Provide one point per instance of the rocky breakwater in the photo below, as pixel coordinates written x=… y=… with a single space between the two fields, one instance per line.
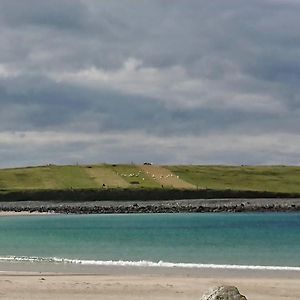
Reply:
x=151 y=207
x=223 y=293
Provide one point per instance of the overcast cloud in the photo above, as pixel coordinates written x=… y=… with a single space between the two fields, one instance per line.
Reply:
x=192 y=81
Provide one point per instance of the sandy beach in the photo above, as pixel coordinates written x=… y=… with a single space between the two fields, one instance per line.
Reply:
x=15 y=286
x=22 y=213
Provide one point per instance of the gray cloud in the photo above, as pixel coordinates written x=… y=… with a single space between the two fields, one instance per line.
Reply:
x=61 y=14
x=165 y=69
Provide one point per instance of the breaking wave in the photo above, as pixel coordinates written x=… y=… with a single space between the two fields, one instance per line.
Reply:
x=142 y=263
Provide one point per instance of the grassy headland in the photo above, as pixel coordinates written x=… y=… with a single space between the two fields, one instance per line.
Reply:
x=124 y=182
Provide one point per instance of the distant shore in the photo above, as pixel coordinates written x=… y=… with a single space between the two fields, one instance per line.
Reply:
x=138 y=194
x=154 y=206
x=142 y=182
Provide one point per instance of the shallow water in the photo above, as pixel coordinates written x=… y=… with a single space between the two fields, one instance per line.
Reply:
x=217 y=239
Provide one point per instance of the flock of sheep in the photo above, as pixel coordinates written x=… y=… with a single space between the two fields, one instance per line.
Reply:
x=148 y=173
x=131 y=175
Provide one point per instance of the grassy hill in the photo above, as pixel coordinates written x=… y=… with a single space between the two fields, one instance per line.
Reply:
x=277 y=179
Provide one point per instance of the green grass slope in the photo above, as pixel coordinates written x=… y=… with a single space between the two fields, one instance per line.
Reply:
x=50 y=177
x=279 y=179
x=75 y=177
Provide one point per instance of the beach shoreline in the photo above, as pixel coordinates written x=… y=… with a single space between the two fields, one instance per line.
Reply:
x=41 y=285
x=23 y=213
x=48 y=276
x=122 y=268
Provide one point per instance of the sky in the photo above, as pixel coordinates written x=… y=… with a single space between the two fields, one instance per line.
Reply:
x=170 y=82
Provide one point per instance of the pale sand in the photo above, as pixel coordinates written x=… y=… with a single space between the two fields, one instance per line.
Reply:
x=18 y=286
x=22 y=213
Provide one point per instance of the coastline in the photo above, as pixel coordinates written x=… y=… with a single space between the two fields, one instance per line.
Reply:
x=20 y=265
x=235 y=205
x=42 y=278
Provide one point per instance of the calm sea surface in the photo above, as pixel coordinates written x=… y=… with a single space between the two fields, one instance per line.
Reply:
x=240 y=239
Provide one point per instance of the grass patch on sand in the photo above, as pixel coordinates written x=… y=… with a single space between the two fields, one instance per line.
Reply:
x=280 y=179
x=165 y=177
x=105 y=176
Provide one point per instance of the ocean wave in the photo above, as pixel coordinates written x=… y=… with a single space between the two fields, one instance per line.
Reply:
x=143 y=263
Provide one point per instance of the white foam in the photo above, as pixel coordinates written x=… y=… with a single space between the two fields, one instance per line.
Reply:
x=144 y=263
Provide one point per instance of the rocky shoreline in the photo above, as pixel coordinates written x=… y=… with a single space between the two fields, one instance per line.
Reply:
x=181 y=206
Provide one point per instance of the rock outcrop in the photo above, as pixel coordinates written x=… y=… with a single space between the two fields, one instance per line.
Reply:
x=223 y=293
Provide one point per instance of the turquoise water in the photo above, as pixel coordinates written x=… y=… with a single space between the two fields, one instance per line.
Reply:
x=239 y=239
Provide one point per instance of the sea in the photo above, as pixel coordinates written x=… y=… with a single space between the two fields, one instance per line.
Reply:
x=268 y=241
